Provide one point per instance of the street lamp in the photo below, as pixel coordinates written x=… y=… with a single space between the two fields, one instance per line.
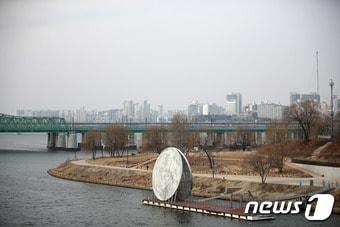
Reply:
x=331 y=83
x=127 y=156
x=213 y=164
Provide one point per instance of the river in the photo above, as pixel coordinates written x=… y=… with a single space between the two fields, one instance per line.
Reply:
x=31 y=197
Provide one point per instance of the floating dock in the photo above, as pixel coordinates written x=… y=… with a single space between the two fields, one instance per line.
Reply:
x=204 y=208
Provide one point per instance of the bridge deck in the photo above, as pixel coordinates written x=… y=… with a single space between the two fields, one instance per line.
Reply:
x=54 y=124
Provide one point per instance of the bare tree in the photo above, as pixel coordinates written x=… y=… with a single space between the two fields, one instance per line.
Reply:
x=337 y=125
x=260 y=164
x=155 y=138
x=91 y=142
x=178 y=130
x=243 y=136
x=276 y=149
x=276 y=132
x=306 y=115
x=325 y=125
x=192 y=140
x=211 y=162
x=277 y=153
x=203 y=140
x=116 y=138
x=109 y=139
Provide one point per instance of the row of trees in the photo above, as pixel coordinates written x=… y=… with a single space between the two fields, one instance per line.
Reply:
x=268 y=157
x=115 y=137
x=179 y=135
x=311 y=123
x=305 y=116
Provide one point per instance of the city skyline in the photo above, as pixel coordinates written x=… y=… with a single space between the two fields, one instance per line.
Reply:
x=236 y=97
x=66 y=54
x=132 y=111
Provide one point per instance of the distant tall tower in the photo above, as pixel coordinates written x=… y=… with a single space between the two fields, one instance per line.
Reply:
x=146 y=109
x=234 y=99
x=128 y=110
x=317 y=72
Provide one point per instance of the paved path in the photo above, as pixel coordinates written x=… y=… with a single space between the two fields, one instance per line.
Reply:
x=317 y=179
x=294 y=166
x=83 y=162
x=317 y=151
x=144 y=163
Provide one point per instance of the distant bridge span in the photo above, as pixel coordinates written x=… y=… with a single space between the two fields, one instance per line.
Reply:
x=62 y=134
x=14 y=124
x=17 y=124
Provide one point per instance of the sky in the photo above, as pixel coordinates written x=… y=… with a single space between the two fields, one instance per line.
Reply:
x=63 y=54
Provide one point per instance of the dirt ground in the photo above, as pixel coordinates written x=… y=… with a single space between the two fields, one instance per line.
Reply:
x=225 y=163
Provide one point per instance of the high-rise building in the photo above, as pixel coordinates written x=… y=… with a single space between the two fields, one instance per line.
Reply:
x=293 y=97
x=194 y=109
x=128 y=110
x=206 y=109
x=215 y=109
x=160 y=114
x=324 y=107
x=230 y=107
x=146 y=110
x=81 y=115
x=298 y=98
x=234 y=103
x=270 y=110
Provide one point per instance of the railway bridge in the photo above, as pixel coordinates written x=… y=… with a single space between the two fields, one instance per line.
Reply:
x=62 y=134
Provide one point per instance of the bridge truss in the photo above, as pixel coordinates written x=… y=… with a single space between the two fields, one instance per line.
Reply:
x=16 y=124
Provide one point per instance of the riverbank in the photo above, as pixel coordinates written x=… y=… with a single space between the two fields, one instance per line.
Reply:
x=230 y=176
x=205 y=186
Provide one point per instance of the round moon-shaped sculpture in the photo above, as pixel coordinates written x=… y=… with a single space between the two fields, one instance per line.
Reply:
x=185 y=185
x=171 y=175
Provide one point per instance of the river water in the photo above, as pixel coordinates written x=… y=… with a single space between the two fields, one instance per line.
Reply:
x=31 y=197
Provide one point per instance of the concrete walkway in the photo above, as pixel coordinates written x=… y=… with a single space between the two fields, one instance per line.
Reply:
x=306 y=171
x=317 y=181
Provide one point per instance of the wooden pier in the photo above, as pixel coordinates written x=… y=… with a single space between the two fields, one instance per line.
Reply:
x=204 y=208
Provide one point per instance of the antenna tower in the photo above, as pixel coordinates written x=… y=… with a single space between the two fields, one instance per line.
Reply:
x=317 y=72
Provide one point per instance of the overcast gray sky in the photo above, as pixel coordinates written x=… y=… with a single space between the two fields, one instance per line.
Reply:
x=64 y=54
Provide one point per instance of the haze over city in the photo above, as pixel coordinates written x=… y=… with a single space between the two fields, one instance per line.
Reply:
x=97 y=54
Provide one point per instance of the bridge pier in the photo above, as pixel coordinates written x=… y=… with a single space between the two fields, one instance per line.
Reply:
x=62 y=141
x=72 y=142
x=260 y=138
x=51 y=140
x=131 y=138
x=228 y=138
x=220 y=139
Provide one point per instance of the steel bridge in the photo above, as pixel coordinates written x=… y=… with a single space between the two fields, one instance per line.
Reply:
x=17 y=124
x=62 y=134
x=10 y=123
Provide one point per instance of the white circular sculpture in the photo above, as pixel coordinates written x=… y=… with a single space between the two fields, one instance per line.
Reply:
x=171 y=175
